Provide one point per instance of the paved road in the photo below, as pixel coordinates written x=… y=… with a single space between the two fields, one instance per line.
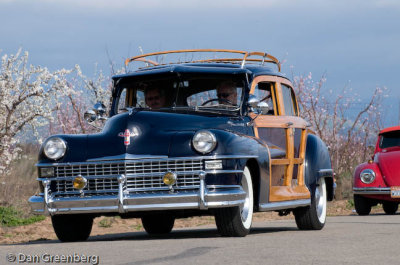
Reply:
x=344 y=240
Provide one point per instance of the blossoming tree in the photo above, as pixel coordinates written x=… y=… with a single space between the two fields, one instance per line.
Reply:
x=28 y=95
x=345 y=124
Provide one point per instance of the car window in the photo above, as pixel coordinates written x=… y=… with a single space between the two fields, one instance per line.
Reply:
x=122 y=100
x=390 y=139
x=289 y=101
x=263 y=92
x=196 y=92
x=224 y=93
x=130 y=98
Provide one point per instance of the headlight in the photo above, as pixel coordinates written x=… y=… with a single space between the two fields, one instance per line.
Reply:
x=367 y=176
x=204 y=141
x=55 y=148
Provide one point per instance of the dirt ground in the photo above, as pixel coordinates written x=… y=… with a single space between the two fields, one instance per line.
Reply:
x=108 y=225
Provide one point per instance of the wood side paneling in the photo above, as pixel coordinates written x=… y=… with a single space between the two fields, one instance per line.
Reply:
x=286 y=193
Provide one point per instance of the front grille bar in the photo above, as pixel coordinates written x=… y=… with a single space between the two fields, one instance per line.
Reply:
x=139 y=176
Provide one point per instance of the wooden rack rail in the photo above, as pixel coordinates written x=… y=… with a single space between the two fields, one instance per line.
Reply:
x=265 y=57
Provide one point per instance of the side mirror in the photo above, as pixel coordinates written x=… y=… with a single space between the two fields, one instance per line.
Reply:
x=263 y=107
x=90 y=116
x=257 y=106
x=97 y=113
x=253 y=101
x=100 y=110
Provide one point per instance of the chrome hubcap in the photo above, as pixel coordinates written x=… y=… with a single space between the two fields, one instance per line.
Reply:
x=244 y=209
x=320 y=200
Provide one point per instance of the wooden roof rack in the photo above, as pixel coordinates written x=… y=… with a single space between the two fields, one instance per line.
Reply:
x=265 y=57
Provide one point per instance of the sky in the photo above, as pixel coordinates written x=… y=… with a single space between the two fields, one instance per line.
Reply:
x=353 y=43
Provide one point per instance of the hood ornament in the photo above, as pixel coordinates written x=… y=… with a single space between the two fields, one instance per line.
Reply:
x=128 y=134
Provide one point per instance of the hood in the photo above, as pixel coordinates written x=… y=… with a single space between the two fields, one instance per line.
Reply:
x=389 y=163
x=151 y=133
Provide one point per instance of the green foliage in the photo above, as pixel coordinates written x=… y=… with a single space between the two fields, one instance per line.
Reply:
x=137 y=227
x=9 y=216
x=106 y=222
x=350 y=204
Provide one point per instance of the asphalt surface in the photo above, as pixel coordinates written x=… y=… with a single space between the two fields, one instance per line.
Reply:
x=371 y=239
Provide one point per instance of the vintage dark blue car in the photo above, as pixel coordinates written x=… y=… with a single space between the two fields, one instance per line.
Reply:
x=219 y=137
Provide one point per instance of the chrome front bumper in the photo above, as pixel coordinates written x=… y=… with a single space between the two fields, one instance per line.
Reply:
x=206 y=197
x=122 y=197
x=372 y=191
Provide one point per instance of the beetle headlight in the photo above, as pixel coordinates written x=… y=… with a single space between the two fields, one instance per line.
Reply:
x=204 y=141
x=367 y=176
x=55 y=148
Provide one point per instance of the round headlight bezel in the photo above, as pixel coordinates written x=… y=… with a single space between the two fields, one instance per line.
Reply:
x=367 y=176
x=55 y=148
x=204 y=141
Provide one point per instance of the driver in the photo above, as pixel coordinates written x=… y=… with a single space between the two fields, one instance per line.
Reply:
x=154 y=98
x=226 y=91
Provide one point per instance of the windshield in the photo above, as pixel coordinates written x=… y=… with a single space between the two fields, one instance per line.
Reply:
x=196 y=93
x=390 y=139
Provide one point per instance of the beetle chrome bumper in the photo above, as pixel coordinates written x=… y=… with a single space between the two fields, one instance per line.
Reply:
x=372 y=191
x=206 y=197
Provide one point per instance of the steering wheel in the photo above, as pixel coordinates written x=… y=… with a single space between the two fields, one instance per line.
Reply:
x=217 y=99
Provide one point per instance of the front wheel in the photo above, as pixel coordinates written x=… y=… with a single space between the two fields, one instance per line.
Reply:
x=236 y=221
x=313 y=217
x=362 y=205
x=71 y=228
x=160 y=223
x=390 y=207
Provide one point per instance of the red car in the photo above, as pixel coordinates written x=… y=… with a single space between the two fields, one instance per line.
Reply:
x=378 y=180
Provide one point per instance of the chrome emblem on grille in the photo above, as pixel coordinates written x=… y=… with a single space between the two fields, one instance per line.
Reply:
x=128 y=134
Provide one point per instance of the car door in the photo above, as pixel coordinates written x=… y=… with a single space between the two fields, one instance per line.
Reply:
x=284 y=133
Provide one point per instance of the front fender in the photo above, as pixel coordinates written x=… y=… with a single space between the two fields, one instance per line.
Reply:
x=76 y=149
x=318 y=165
x=378 y=182
x=249 y=151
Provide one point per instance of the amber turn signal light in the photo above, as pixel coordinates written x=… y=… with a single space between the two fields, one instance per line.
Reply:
x=79 y=182
x=169 y=178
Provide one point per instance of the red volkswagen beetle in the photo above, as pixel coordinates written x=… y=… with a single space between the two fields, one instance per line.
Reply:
x=378 y=180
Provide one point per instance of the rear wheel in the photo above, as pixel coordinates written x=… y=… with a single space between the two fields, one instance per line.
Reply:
x=313 y=217
x=160 y=223
x=71 y=228
x=236 y=221
x=362 y=205
x=390 y=207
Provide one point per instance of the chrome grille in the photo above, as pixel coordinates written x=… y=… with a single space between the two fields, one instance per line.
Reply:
x=156 y=182
x=142 y=175
x=93 y=185
x=90 y=170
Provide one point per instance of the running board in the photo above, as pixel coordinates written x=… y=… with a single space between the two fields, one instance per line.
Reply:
x=264 y=207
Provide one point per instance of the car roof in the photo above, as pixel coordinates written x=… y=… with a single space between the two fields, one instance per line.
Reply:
x=390 y=129
x=204 y=68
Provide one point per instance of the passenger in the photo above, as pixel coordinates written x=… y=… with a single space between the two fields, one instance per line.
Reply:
x=154 y=98
x=226 y=91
